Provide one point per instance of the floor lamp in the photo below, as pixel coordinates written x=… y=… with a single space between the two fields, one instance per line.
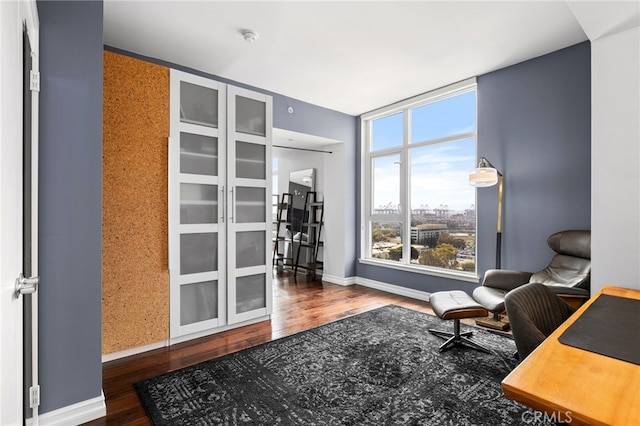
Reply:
x=487 y=175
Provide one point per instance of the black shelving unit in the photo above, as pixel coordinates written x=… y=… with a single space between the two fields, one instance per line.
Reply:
x=283 y=233
x=308 y=240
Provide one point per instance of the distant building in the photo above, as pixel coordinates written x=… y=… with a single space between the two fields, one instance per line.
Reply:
x=427 y=234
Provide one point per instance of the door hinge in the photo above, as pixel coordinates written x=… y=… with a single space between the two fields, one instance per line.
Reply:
x=34 y=396
x=26 y=285
x=35 y=81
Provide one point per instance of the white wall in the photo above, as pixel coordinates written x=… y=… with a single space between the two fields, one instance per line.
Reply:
x=334 y=215
x=615 y=160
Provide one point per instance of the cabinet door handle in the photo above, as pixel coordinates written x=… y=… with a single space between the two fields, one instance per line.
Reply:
x=233 y=206
x=222 y=203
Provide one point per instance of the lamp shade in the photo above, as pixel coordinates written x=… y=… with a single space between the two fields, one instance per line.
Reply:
x=483 y=176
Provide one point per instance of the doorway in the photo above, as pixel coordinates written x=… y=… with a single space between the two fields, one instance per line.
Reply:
x=294 y=151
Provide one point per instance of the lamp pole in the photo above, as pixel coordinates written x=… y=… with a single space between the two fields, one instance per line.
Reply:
x=499 y=227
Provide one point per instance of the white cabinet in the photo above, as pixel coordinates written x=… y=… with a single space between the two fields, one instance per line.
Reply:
x=219 y=173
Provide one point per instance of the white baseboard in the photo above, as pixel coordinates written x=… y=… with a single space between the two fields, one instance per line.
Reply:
x=394 y=289
x=74 y=414
x=134 y=351
x=338 y=280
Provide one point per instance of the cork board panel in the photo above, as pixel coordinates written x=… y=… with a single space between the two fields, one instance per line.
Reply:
x=135 y=277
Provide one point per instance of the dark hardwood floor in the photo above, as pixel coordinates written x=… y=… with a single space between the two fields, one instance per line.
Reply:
x=297 y=306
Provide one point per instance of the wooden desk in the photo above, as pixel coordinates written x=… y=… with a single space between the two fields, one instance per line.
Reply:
x=573 y=384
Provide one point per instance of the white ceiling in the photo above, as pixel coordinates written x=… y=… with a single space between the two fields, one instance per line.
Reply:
x=289 y=139
x=355 y=56
x=349 y=56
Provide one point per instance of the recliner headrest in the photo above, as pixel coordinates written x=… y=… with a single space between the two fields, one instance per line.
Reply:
x=571 y=243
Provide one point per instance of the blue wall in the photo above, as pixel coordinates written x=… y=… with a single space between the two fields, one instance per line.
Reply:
x=70 y=207
x=534 y=125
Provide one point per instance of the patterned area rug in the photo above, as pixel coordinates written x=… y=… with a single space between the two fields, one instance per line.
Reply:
x=377 y=368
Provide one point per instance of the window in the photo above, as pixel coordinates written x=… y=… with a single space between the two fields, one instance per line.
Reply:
x=418 y=207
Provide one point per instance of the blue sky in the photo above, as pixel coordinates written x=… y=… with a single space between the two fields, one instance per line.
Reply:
x=439 y=172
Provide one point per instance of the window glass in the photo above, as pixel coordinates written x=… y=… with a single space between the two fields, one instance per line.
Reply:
x=386 y=241
x=451 y=116
x=386 y=184
x=423 y=213
x=443 y=222
x=387 y=132
x=440 y=176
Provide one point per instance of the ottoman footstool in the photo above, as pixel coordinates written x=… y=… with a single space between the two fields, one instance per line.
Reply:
x=455 y=305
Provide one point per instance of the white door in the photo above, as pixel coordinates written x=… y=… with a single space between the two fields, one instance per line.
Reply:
x=196 y=205
x=249 y=228
x=14 y=17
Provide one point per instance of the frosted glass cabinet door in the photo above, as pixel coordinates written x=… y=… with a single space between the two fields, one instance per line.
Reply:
x=198 y=302
x=198 y=253
x=250 y=205
x=198 y=104
x=250 y=249
x=197 y=237
x=198 y=203
x=250 y=116
x=251 y=293
x=249 y=125
x=198 y=154
x=250 y=161
x=219 y=205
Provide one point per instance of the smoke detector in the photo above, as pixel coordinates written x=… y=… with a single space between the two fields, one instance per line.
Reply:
x=250 y=36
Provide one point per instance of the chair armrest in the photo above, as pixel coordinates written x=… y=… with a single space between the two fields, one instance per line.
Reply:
x=572 y=296
x=561 y=290
x=505 y=279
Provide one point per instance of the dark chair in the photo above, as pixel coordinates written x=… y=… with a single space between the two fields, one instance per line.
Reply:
x=534 y=313
x=567 y=275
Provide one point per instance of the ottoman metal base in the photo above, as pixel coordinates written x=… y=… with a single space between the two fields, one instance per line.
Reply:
x=457 y=338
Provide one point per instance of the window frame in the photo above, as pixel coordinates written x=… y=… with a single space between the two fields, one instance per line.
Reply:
x=367 y=215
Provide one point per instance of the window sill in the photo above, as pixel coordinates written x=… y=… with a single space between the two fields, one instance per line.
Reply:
x=454 y=275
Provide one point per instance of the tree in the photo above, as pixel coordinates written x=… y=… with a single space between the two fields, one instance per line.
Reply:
x=414 y=253
x=446 y=238
x=471 y=244
x=383 y=234
x=443 y=256
x=468 y=266
x=396 y=253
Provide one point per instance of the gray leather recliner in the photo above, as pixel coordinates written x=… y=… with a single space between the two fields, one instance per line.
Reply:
x=568 y=273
